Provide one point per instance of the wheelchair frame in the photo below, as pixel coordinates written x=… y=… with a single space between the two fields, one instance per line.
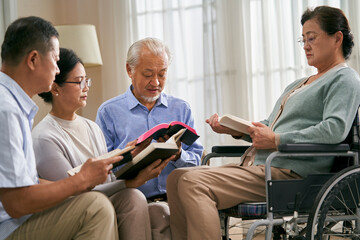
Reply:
x=290 y=150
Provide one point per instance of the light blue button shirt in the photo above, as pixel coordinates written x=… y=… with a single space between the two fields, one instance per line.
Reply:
x=17 y=159
x=123 y=119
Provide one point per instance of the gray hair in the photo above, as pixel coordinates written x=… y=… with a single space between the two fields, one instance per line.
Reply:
x=155 y=46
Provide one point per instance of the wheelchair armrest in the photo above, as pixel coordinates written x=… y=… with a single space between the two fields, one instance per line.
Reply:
x=229 y=149
x=305 y=147
x=308 y=150
x=224 y=151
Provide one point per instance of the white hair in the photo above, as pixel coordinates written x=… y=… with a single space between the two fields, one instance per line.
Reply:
x=155 y=46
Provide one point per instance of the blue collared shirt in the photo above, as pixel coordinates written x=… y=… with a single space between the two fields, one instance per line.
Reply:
x=123 y=119
x=17 y=159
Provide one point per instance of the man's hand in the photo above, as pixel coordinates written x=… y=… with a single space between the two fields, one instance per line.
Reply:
x=151 y=171
x=178 y=143
x=95 y=171
x=132 y=143
x=140 y=147
x=262 y=136
x=213 y=121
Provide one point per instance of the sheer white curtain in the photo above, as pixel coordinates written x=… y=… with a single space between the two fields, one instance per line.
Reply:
x=233 y=56
x=8 y=13
x=179 y=24
x=252 y=55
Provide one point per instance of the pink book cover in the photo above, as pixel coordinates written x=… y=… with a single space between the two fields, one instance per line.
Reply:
x=164 y=128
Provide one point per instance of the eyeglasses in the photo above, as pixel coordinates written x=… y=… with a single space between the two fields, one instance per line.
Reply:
x=83 y=82
x=303 y=40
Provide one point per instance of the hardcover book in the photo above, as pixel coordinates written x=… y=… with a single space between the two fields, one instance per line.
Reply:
x=235 y=123
x=126 y=152
x=169 y=129
x=150 y=153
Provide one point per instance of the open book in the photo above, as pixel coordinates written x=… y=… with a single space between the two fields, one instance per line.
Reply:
x=126 y=152
x=235 y=123
x=152 y=152
x=140 y=156
x=189 y=136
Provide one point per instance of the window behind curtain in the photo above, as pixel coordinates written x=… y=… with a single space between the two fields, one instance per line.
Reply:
x=230 y=56
x=179 y=25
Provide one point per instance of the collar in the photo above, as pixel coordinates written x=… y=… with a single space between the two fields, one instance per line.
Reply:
x=27 y=105
x=132 y=102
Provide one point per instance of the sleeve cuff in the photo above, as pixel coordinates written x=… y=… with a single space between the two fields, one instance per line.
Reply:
x=277 y=140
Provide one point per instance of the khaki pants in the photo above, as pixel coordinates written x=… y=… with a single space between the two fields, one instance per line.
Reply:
x=160 y=220
x=196 y=194
x=86 y=216
x=132 y=214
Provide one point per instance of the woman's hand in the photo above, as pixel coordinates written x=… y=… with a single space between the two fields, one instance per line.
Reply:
x=213 y=121
x=262 y=136
x=151 y=171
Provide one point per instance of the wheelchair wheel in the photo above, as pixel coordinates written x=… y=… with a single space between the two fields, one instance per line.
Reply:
x=336 y=210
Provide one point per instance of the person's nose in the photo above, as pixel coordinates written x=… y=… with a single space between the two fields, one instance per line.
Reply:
x=86 y=88
x=57 y=70
x=306 y=45
x=155 y=81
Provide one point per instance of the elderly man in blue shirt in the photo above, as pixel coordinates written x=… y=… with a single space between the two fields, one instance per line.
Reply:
x=124 y=118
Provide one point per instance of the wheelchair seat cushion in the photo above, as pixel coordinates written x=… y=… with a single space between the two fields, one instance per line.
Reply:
x=247 y=210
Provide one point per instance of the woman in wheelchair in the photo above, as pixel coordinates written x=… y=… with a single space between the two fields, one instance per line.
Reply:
x=314 y=109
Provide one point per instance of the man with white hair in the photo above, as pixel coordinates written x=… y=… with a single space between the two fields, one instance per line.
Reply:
x=124 y=118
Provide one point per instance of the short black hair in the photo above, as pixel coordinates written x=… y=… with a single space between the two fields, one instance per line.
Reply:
x=24 y=35
x=332 y=20
x=67 y=62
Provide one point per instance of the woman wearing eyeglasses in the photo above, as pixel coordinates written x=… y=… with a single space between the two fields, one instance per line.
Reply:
x=64 y=140
x=315 y=109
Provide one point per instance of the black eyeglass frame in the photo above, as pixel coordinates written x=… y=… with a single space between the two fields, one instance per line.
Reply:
x=82 y=83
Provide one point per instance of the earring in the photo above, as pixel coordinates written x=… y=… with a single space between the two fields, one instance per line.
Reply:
x=57 y=94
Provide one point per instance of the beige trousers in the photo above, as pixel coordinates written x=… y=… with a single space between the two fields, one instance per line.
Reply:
x=87 y=216
x=196 y=194
x=132 y=214
x=138 y=219
x=160 y=220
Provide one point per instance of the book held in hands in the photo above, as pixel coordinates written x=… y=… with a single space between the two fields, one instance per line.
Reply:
x=146 y=152
x=169 y=129
x=126 y=153
x=150 y=153
x=235 y=123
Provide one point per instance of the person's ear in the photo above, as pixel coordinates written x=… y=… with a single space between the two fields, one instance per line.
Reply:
x=339 y=38
x=128 y=69
x=55 y=89
x=32 y=59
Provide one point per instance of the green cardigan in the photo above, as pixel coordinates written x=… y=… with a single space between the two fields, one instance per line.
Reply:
x=321 y=113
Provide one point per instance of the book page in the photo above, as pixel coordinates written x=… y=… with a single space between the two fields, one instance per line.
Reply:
x=176 y=137
x=235 y=123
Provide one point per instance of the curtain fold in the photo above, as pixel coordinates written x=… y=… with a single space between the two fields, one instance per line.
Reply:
x=351 y=9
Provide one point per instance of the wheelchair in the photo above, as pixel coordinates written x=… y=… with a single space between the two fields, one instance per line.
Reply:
x=320 y=206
